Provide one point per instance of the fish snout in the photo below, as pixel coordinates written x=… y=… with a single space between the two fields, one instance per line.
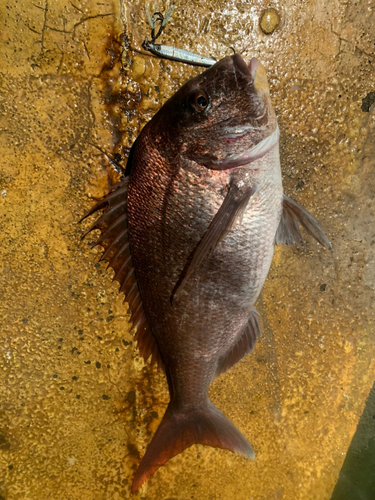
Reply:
x=253 y=66
x=249 y=70
x=240 y=65
x=259 y=76
x=254 y=70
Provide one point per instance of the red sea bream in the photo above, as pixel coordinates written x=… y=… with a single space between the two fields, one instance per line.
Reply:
x=190 y=234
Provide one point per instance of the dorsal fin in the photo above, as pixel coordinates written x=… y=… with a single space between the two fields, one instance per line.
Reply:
x=244 y=345
x=115 y=241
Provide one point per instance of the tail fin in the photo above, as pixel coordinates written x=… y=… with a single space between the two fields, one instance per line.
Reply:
x=179 y=430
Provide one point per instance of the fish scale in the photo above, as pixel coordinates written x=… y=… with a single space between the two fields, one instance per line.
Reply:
x=203 y=207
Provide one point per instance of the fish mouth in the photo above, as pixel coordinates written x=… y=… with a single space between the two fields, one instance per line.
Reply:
x=253 y=66
x=255 y=71
x=233 y=133
x=256 y=152
x=248 y=70
x=250 y=155
x=238 y=132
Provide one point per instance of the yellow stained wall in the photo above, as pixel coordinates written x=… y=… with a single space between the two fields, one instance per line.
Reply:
x=77 y=405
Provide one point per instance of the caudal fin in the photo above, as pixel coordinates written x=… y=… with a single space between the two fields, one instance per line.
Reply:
x=179 y=430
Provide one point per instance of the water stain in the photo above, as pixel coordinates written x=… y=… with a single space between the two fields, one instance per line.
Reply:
x=4 y=443
x=368 y=101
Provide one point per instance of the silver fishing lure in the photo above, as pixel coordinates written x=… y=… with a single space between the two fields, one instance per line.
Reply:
x=175 y=54
x=166 y=51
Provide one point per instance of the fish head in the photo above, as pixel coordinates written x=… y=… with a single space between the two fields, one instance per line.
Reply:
x=217 y=118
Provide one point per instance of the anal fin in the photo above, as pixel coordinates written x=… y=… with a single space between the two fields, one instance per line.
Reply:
x=244 y=345
x=288 y=231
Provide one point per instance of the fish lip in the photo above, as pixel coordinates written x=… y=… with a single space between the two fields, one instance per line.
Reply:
x=234 y=134
x=249 y=156
x=253 y=66
x=260 y=149
x=248 y=70
x=241 y=65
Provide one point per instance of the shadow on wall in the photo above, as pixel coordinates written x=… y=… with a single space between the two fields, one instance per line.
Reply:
x=357 y=477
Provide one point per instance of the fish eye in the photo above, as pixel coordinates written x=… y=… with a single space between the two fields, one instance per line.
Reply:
x=201 y=101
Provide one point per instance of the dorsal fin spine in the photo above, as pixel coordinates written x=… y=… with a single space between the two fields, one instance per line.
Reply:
x=112 y=245
x=122 y=268
x=124 y=250
x=110 y=210
x=126 y=279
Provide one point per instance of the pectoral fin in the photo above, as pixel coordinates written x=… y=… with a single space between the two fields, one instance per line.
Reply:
x=224 y=221
x=288 y=232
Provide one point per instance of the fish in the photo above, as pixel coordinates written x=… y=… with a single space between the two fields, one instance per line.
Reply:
x=190 y=234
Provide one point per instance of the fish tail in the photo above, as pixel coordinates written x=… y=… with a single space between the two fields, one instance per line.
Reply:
x=179 y=430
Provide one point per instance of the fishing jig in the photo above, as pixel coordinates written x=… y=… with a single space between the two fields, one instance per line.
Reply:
x=166 y=51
